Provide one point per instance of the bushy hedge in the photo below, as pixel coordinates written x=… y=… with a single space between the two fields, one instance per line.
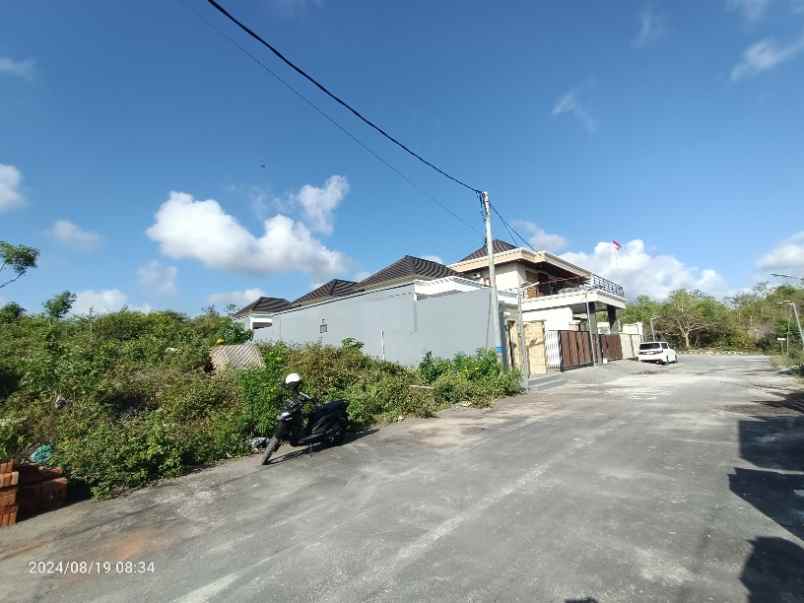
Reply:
x=477 y=379
x=127 y=398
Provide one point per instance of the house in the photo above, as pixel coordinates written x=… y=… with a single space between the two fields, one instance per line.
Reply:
x=561 y=294
x=414 y=306
x=401 y=312
x=258 y=313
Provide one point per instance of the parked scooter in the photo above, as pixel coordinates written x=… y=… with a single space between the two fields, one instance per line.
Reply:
x=325 y=423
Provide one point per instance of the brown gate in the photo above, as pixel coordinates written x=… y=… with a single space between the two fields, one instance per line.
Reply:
x=576 y=350
x=611 y=347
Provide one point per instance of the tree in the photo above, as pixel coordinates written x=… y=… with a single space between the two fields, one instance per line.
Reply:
x=642 y=309
x=58 y=305
x=11 y=311
x=17 y=258
x=684 y=313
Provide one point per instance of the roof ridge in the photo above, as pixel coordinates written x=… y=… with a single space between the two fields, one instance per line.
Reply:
x=497 y=246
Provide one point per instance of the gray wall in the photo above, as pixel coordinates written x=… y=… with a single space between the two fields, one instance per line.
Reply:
x=392 y=324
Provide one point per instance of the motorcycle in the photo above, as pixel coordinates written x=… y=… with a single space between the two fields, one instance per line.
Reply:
x=323 y=423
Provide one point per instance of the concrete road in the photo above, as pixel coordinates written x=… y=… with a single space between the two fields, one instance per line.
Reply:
x=627 y=483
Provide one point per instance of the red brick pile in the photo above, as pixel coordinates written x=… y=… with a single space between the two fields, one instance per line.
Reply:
x=8 y=493
x=29 y=491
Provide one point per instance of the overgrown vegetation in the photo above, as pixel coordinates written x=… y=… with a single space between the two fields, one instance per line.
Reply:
x=126 y=398
x=749 y=321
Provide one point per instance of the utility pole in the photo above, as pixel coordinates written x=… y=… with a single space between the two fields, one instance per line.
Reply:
x=589 y=328
x=652 y=331
x=495 y=305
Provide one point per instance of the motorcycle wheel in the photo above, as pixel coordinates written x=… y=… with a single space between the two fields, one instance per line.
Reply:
x=338 y=434
x=273 y=444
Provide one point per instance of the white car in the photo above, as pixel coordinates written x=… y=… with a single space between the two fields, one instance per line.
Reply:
x=657 y=351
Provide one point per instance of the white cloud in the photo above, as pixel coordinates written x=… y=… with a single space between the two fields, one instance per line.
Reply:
x=433 y=258
x=238 y=298
x=362 y=275
x=640 y=272
x=23 y=69
x=539 y=239
x=99 y=302
x=10 y=195
x=71 y=234
x=651 y=27
x=158 y=278
x=264 y=203
x=319 y=203
x=570 y=104
x=750 y=10
x=786 y=257
x=765 y=55
x=203 y=231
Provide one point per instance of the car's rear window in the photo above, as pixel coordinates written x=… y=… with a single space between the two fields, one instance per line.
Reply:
x=650 y=346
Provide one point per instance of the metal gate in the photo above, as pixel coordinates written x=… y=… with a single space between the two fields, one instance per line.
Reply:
x=575 y=348
x=611 y=347
x=553 y=348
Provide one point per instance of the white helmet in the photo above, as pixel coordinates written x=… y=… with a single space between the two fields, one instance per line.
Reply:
x=293 y=380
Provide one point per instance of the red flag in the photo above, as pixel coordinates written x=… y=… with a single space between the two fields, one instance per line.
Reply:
x=616 y=244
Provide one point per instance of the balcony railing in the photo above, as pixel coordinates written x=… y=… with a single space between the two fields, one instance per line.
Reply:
x=598 y=282
x=570 y=285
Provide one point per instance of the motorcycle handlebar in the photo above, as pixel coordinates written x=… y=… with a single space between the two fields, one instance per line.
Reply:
x=299 y=400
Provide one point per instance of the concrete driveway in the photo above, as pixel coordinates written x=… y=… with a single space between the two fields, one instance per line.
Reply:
x=627 y=483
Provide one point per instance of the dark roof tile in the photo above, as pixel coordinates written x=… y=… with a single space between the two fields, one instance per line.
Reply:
x=408 y=268
x=265 y=305
x=497 y=245
x=334 y=288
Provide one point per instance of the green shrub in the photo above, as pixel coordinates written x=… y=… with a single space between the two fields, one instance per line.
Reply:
x=262 y=395
x=387 y=396
x=142 y=404
x=431 y=368
x=11 y=438
x=477 y=379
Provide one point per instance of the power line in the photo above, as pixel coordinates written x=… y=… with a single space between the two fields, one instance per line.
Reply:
x=511 y=229
x=333 y=121
x=508 y=228
x=336 y=98
x=359 y=115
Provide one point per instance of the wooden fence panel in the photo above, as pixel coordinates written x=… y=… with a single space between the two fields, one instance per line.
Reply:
x=612 y=347
x=575 y=349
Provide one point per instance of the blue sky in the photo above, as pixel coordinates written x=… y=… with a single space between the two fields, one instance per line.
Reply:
x=155 y=165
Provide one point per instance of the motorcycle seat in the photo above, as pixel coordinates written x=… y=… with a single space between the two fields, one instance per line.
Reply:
x=332 y=406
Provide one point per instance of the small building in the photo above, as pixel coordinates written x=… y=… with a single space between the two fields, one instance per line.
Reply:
x=415 y=306
x=399 y=313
